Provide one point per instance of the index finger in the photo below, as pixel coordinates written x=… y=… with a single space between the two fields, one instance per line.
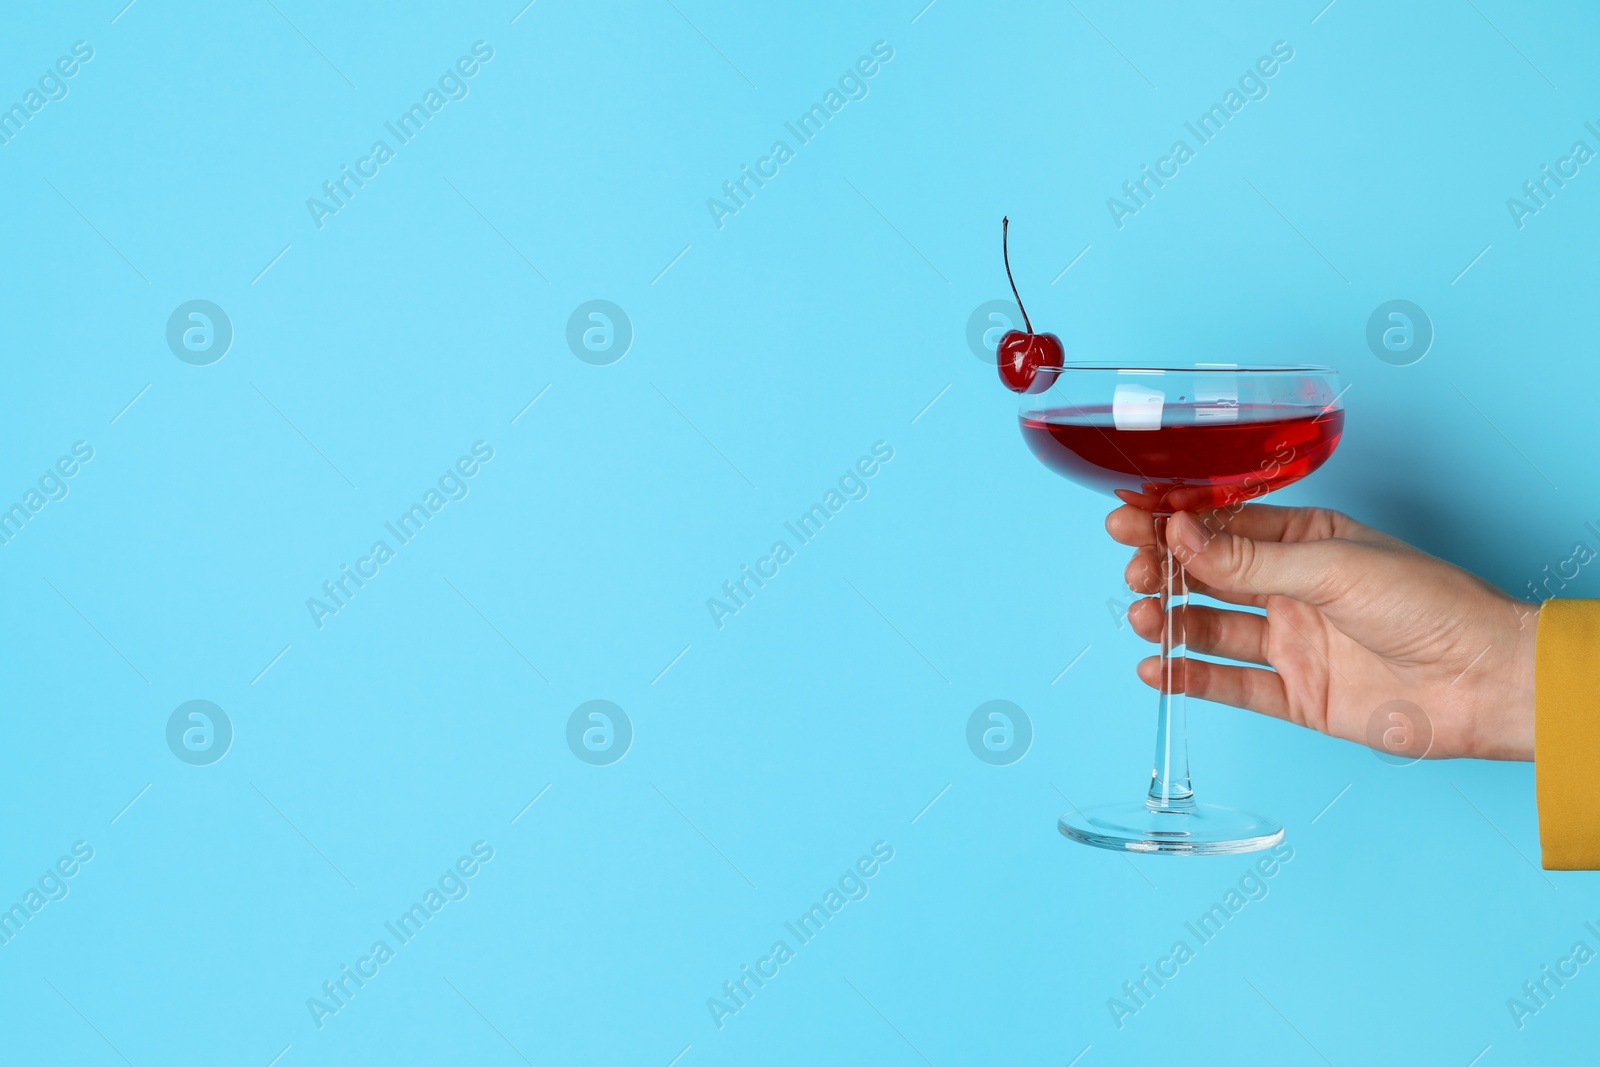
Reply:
x=1129 y=525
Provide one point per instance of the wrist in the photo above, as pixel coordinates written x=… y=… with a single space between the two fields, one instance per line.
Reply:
x=1521 y=698
x=1503 y=707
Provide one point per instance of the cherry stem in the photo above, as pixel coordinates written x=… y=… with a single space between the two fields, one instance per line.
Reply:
x=1005 y=229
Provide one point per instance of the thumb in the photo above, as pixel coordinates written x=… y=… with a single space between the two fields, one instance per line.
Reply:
x=1310 y=571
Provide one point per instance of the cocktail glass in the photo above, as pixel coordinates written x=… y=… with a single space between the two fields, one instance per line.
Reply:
x=1203 y=438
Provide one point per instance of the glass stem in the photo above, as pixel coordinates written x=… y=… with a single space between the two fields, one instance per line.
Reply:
x=1170 y=789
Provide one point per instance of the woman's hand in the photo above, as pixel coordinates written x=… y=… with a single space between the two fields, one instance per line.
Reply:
x=1354 y=619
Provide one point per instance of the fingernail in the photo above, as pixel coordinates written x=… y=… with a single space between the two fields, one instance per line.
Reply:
x=1190 y=534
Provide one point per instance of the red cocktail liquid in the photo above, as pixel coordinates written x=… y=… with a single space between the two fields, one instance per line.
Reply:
x=1199 y=458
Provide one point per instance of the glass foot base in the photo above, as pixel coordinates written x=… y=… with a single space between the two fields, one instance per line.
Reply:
x=1203 y=830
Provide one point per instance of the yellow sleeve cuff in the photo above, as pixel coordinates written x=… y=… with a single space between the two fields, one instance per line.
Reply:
x=1566 y=732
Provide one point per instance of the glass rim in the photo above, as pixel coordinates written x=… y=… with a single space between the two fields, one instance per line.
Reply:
x=1200 y=368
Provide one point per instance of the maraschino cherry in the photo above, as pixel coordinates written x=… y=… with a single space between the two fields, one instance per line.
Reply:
x=1028 y=361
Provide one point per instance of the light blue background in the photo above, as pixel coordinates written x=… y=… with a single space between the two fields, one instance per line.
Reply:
x=822 y=318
